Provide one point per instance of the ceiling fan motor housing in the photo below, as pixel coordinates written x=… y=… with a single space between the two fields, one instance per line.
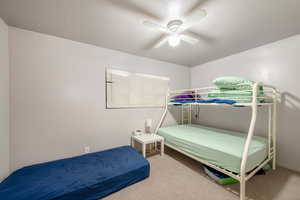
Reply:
x=174 y=25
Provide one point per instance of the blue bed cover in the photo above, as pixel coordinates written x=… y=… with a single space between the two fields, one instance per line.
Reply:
x=88 y=177
x=223 y=101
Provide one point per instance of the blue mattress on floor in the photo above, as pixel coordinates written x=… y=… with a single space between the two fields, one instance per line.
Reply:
x=88 y=177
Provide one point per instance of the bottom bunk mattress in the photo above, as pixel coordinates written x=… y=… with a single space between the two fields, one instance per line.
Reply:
x=87 y=177
x=219 y=147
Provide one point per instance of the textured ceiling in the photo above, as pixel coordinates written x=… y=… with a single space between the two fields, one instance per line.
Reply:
x=231 y=26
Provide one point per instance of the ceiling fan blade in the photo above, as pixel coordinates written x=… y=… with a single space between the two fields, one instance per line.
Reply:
x=199 y=4
x=156 y=26
x=194 y=18
x=161 y=41
x=200 y=36
x=133 y=8
x=189 y=39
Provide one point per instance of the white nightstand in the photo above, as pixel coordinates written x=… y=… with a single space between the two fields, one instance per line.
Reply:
x=145 y=139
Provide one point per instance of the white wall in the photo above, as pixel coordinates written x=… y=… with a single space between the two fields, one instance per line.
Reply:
x=58 y=97
x=4 y=101
x=277 y=64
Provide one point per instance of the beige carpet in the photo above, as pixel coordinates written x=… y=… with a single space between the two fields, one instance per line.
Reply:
x=176 y=177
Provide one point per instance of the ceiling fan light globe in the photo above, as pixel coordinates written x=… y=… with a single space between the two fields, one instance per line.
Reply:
x=174 y=40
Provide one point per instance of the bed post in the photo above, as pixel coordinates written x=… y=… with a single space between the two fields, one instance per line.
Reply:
x=270 y=130
x=274 y=115
x=273 y=122
x=248 y=143
x=164 y=113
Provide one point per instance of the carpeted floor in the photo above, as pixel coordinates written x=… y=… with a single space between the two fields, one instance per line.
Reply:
x=176 y=177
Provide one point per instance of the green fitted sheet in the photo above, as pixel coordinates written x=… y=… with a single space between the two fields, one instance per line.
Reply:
x=219 y=147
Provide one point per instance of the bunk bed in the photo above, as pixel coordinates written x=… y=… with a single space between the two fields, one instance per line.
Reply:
x=235 y=154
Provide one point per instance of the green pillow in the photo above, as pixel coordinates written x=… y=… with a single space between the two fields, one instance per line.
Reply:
x=233 y=83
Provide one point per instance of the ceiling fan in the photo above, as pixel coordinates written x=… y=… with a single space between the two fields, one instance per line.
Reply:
x=176 y=30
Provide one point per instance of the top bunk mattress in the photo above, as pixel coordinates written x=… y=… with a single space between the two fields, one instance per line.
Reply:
x=88 y=177
x=219 y=147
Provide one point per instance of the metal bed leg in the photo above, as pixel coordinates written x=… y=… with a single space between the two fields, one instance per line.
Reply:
x=242 y=189
x=274 y=162
x=162 y=147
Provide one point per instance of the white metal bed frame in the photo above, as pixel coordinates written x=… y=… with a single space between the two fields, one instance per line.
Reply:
x=271 y=97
